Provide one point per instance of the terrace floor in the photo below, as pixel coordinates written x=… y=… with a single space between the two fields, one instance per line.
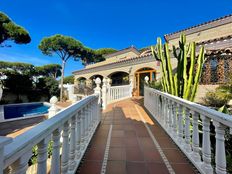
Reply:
x=129 y=142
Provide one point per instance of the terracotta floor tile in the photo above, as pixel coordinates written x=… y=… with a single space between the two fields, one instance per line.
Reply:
x=117 y=142
x=187 y=168
x=174 y=156
x=166 y=142
x=130 y=133
x=118 y=133
x=117 y=153
x=152 y=155
x=136 y=168
x=146 y=142
x=132 y=150
x=95 y=154
x=158 y=168
x=134 y=154
x=131 y=142
x=116 y=167
x=91 y=167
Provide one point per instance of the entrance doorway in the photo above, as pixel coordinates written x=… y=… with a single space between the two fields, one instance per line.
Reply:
x=140 y=75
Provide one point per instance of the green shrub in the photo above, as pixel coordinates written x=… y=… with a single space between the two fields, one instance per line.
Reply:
x=156 y=85
x=217 y=98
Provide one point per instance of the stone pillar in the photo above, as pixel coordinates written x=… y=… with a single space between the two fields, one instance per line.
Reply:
x=146 y=80
x=97 y=90
x=131 y=87
x=89 y=83
x=53 y=109
x=104 y=93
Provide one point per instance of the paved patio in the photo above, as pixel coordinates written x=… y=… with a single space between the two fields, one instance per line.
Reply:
x=129 y=142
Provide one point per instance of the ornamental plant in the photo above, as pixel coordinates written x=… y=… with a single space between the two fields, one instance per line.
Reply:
x=184 y=82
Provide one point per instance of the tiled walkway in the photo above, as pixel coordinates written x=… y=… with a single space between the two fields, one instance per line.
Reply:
x=131 y=144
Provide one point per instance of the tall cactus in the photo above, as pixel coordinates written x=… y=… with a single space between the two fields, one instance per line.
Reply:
x=182 y=83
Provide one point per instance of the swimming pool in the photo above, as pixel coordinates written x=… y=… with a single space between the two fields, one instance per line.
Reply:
x=13 y=111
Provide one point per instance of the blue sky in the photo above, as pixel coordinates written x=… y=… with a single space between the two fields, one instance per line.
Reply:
x=103 y=23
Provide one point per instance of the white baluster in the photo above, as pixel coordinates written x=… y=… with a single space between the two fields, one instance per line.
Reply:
x=21 y=165
x=65 y=148
x=187 y=131
x=86 y=124
x=220 y=148
x=170 y=116
x=55 y=168
x=174 y=125
x=72 y=161
x=3 y=142
x=104 y=95
x=180 y=125
x=82 y=129
x=42 y=156
x=195 y=138
x=206 y=147
x=78 y=135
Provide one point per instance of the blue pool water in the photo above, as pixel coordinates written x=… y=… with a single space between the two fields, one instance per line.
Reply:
x=24 y=110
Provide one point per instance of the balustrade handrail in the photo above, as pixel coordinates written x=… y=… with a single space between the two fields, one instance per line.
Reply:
x=211 y=113
x=32 y=137
x=121 y=86
x=182 y=120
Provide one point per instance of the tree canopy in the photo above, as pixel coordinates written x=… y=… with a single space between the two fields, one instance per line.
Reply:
x=69 y=79
x=9 y=31
x=50 y=70
x=65 y=47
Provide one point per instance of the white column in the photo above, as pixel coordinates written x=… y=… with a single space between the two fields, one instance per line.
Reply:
x=78 y=135
x=104 y=94
x=206 y=147
x=21 y=165
x=55 y=168
x=131 y=87
x=220 y=158
x=195 y=138
x=72 y=162
x=53 y=109
x=108 y=85
x=187 y=131
x=65 y=148
x=97 y=90
x=3 y=142
x=42 y=156
x=170 y=116
x=174 y=125
x=82 y=129
x=86 y=124
x=180 y=124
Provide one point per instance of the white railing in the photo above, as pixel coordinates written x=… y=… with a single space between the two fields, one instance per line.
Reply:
x=70 y=132
x=112 y=94
x=181 y=119
x=116 y=93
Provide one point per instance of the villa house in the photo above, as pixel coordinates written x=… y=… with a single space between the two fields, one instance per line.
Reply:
x=130 y=65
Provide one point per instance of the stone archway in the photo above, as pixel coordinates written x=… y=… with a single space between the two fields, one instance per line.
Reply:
x=92 y=79
x=119 y=78
x=140 y=74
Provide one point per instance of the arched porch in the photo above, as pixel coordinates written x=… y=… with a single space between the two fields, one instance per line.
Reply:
x=119 y=78
x=139 y=75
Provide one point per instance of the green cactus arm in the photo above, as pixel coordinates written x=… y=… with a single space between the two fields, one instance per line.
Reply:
x=175 y=84
x=154 y=54
x=200 y=62
x=191 y=70
x=164 y=63
x=169 y=68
